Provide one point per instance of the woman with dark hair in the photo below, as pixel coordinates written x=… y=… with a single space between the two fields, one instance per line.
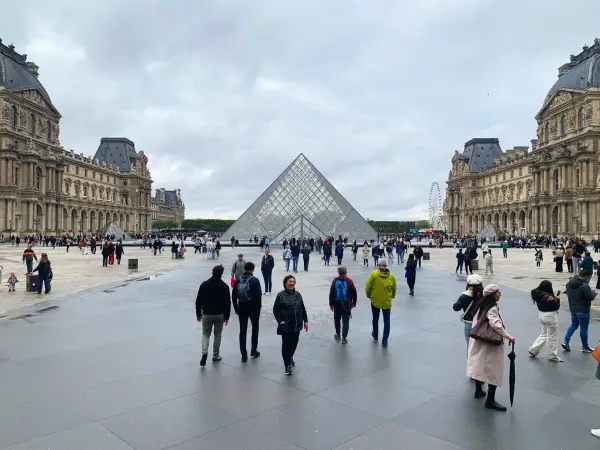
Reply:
x=548 y=305
x=467 y=302
x=290 y=314
x=411 y=273
x=486 y=361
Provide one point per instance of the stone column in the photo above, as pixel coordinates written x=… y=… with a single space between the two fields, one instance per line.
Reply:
x=584 y=216
x=563 y=218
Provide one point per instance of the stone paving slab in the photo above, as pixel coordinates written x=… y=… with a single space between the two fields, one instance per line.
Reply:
x=118 y=368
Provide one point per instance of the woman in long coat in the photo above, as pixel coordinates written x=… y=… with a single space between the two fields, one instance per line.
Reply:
x=486 y=362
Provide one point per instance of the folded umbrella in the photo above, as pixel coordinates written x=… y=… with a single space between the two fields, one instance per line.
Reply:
x=511 y=376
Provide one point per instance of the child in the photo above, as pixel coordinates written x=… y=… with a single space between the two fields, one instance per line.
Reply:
x=12 y=280
x=489 y=262
x=538 y=257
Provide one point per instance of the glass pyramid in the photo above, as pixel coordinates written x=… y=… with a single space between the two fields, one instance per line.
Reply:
x=300 y=203
x=112 y=229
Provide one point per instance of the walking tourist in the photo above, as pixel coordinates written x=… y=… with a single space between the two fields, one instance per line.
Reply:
x=587 y=263
x=569 y=258
x=306 y=256
x=28 y=257
x=410 y=273
x=266 y=267
x=539 y=257
x=11 y=282
x=580 y=297
x=327 y=252
x=213 y=307
x=485 y=363
x=238 y=267
x=174 y=248
x=489 y=262
x=290 y=314
x=505 y=248
x=375 y=254
x=44 y=271
x=381 y=290
x=339 y=253
x=119 y=251
x=558 y=259
x=468 y=301
x=295 y=255
x=287 y=257
x=578 y=252
x=342 y=298
x=354 y=250
x=246 y=297
x=548 y=305
x=418 y=252
x=365 y=253
x=105 y=254
x=460 y=259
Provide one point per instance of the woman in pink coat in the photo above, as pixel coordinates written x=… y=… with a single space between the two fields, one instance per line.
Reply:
x=486 y=362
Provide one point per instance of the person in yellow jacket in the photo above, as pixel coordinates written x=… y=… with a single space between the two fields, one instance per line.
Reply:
x=381 y=290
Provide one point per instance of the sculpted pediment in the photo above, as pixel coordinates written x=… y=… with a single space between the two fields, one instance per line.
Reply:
x=559 y=98
x=36 y=97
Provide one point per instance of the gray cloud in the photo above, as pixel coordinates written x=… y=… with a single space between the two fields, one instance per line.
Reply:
x=223 y=95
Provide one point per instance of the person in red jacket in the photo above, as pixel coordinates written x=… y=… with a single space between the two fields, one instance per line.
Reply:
x=342 y=298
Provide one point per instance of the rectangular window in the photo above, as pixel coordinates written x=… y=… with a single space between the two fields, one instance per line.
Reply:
x=504 y=176
x=520 y=171
x=101 y=177
x=77 y=170
x=496 y=178
x=85 y=173
x=512 y=173
x=473 y=183
x=124 y=182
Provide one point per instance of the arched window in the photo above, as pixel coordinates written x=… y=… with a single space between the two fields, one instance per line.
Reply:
x=563 y=125
x=547 y=132
x=32 y=124
x=15 y=116
x=581 y=118
x=556 y=181
x=38 y=179
x=49 y=130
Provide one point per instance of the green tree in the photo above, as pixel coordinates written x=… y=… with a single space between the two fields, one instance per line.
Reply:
x=164 y=225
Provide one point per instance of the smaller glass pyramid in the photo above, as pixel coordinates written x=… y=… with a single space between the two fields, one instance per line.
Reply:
x=300 y=203
x=112 y=229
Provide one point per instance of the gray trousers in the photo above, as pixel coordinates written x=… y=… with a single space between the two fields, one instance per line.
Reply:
x=208 y=321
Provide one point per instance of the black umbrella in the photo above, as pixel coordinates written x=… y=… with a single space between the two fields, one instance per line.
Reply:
x=511 y=377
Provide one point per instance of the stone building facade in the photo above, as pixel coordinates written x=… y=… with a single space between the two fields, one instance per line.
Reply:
x=167 y=206
x=47 y=189
x=552 y=188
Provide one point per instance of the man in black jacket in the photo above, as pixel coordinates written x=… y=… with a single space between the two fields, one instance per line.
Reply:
x=247 y=301
x=213 y=307
x=580 y=301
x=295 y=255
x=266 y=267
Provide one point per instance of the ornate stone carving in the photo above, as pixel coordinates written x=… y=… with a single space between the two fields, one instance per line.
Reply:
x=598 y=181
x=571 y=117
x=23 y=118
x=560 y=98
x=589 y=110
x=553 y=127
x=6 y=112
x=540 y=132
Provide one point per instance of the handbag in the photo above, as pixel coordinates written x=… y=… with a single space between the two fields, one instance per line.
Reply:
x=483 y=331
x=283 y=328
x=232 y=282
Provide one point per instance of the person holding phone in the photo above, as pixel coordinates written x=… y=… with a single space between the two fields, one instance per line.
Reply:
x=290 y=314
x=548 y=305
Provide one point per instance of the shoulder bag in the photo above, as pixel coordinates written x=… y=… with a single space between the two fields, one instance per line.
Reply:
x=462 y=316
x=483 y=332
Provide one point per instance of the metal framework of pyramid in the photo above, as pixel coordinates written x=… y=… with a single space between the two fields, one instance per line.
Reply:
x=300 y=203
x=112 y=229
x=490 y=232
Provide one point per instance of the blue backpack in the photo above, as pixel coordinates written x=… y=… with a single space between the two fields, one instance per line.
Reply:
x=341 y=291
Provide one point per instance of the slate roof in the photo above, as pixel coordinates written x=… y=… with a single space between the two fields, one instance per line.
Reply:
x=582 y=72
x=479 y=153
x=15 y=73
x=117 y=152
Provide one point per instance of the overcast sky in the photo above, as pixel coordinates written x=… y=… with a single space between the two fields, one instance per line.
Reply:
x=223 y=94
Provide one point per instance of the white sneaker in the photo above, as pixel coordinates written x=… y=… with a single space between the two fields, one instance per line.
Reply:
x=596 y=433
x=557 y=359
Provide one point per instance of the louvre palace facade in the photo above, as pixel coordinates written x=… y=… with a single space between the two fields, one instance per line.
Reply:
x=552 y=187
x=47 y=189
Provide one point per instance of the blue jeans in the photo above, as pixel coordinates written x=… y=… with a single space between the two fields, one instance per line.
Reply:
x=375 y=260
x=46 y=281
x=295 y=265
x=581 y=321
x=402 y=256
x=468 y=327
x=386 y=322
x=29 y=263
x=287 y=264
x=327 y=259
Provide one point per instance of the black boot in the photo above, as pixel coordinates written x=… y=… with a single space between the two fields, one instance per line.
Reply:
x=490 y=402
x=479 y=392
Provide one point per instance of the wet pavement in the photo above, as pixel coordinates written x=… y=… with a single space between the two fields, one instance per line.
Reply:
x=116 y=367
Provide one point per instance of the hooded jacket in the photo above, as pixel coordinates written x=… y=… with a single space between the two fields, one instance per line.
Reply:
x=587 y=263
x=381 y=288
x=544 y=301
x=580 y=295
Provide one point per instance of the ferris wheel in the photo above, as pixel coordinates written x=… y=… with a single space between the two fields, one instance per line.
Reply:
x=435 y=206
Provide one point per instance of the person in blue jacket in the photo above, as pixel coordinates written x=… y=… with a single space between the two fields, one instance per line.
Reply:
x=587 y=263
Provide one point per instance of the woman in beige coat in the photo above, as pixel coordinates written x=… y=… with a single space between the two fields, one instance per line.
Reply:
x=486 y=362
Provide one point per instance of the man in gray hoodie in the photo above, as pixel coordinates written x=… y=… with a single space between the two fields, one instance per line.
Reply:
x=238 y=267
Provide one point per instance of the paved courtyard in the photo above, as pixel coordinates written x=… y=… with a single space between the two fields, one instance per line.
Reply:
x=116 y=367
